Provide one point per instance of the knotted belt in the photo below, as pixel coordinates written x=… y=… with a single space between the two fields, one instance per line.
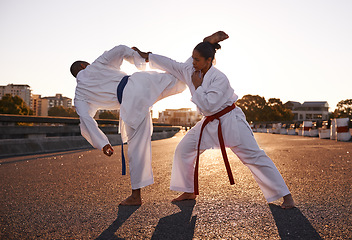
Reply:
x=222 y=146
x=120 y=88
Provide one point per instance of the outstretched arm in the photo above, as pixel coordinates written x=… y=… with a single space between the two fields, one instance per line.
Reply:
x=214 y=38
x=115 y=56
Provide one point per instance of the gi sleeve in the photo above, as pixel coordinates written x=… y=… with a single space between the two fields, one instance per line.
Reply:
x=179 y=70
x=116 y=55
x=89 y=127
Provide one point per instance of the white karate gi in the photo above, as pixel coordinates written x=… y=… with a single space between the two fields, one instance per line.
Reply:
x=212 y=96
x=97 y=89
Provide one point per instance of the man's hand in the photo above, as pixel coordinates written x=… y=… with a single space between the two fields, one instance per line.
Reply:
x=144 y=55
x=197 y=78
x=108 y=150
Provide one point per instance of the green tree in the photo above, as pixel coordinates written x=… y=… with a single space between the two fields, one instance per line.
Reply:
x=343 y=109
x=257 y=109
x=14 y=105
x=278 y=111
x=60 y=111
x=252 y=106
x=108 y=115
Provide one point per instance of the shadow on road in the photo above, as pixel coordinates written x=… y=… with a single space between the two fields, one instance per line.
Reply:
x=179 y=225
x=292 y=224
x=124 y=213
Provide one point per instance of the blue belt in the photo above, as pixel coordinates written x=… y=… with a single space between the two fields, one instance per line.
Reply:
x=120 y=88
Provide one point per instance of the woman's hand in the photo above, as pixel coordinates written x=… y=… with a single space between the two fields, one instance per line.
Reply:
x=197 y=79
x=216 y=37
x=144 y=55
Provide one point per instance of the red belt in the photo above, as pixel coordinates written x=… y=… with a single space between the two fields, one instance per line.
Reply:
x=222 y=146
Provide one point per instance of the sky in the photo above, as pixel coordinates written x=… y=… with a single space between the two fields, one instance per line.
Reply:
x=292 y=50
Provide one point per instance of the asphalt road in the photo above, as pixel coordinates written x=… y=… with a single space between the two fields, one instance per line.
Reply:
x=75 y=195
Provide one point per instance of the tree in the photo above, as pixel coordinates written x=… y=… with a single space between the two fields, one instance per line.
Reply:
x=278 y=111
x=344 y=109
x=108 y=115
x=14 y=105
x=252 y=106
x=60 y=111
x=257 y=109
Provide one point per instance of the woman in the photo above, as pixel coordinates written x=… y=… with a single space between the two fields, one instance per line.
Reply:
x=223 y=122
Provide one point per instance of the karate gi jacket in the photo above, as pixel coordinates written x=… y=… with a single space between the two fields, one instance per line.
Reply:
x=97 y=89
x=212 y=96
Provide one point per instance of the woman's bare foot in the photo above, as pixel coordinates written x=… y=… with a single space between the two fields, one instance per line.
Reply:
x=185 y=196
x=216 y=37
x=288 y=202
x=134 y=200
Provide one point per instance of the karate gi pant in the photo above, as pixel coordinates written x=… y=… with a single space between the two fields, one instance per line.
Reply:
x=262 y=167
x=140 y=153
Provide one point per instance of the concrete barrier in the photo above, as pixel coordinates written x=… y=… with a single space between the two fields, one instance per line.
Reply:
x=314 y=132
x=283 y=131
x=291 y=131
x=276 y=128
x=307 y=126
x=324 y=133
x=342 y=130
x=333 y=129
x=27 y=146
x=24 y=135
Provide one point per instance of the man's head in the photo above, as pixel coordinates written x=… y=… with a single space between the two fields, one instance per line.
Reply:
x=78 y=66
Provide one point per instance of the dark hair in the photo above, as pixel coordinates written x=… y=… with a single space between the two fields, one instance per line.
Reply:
x=207 y=49
x=76 y=67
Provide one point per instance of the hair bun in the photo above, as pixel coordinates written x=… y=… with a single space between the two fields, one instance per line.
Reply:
x=216 y=46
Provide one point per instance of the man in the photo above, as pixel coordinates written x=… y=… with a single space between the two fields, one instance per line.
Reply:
x=102 y=85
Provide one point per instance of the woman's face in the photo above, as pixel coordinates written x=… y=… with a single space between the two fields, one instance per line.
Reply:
x=200 y=63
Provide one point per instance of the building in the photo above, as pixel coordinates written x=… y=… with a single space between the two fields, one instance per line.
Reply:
x=41 y=106
x=179 y=117
x=36 y=104
x=309 y=111
x=21 y=90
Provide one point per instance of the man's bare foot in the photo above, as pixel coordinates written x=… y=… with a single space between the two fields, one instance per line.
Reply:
x=216 y=37
x=288 y=202
x=134 y=200
x=185 y=196
x=131 y=201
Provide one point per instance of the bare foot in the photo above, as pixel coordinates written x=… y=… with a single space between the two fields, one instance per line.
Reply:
x=185 y=196
x=288 y=202
x=131 y=201
x=216 y=37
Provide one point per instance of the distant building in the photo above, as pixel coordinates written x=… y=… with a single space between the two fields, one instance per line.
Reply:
x=179 y=117
x=21 y=90
x=36 y=104
x=309 y=111
x=41 y=106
